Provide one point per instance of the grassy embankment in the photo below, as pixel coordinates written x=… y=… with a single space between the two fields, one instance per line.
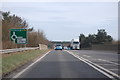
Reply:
x=12 y=61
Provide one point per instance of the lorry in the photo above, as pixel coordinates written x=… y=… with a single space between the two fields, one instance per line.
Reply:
x=75 y=44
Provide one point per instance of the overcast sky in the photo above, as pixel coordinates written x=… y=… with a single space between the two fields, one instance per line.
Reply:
x=67 y=20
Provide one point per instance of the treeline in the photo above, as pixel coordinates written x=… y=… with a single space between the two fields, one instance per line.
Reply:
x=100 y=38
x=13 y=21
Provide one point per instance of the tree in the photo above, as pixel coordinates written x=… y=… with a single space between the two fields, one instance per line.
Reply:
x=102 y=37
x=81 y=38
x=13 y=21
x=9 y=22
x=99 y=38
x=109 y=38
x=92 y=38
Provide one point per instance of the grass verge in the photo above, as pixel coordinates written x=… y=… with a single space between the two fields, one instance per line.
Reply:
x=14 y=60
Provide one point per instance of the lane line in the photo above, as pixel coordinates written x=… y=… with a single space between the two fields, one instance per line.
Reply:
x=114 y=69
x=16 y=76
x=91 y=64
x=86 y=56
x=103 y=60
x=106 y=64
x=108 y=61
x=114 y=74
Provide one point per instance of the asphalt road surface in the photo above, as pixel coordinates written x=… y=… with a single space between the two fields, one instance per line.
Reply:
x=61 y=64
x=107 y=59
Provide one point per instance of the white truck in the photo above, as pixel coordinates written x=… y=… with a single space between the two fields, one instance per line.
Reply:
x=75 y=44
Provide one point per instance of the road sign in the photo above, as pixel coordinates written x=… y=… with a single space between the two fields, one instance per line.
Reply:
x=18 y=36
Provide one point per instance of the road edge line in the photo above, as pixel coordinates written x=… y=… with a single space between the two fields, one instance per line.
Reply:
x=103 y=72
x=112 y=73
x=16 y=76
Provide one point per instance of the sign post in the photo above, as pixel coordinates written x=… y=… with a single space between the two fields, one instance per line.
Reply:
x=18 y=36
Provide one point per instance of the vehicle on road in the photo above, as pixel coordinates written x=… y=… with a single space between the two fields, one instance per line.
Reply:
x=66 y=48
x=58 y=47
x=75 y=44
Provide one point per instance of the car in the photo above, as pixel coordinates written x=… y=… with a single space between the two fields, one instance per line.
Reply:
x=58 y=47
x=69 y=48
x=66 y=48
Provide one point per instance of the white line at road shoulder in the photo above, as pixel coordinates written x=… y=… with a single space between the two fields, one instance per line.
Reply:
x=16 y=76
x=89 y=63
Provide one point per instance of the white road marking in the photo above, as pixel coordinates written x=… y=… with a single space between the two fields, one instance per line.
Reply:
x=114 y=69
x=92 y=65
x=86 y=56
x=108 y=61
x=16 y=76
x=93 y=59
x=105 y=64
x=103 y=60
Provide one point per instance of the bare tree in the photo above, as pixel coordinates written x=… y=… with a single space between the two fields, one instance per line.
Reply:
x=13 y=21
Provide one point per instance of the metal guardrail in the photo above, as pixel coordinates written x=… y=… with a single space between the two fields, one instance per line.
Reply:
x=17 y=50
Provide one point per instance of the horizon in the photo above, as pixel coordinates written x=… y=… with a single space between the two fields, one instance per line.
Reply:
x=67 y=19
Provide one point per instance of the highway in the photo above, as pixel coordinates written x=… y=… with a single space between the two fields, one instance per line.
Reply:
x=106 y=59
x=66 y=64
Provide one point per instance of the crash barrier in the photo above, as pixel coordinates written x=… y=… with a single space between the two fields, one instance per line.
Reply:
x=17 y=50
x=42 y=46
